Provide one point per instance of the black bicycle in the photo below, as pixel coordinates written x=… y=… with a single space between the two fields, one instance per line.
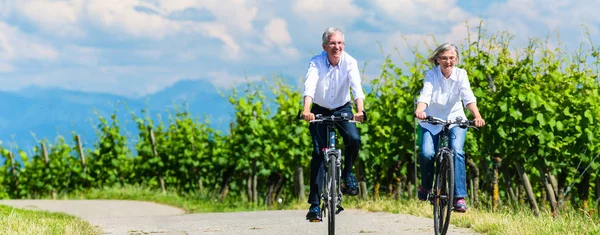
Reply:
x=331 y=193
x=441 y=195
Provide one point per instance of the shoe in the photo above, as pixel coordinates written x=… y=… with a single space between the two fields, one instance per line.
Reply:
x=351 y=185
x=460 y=205
x=422 y=194
x=314 y=213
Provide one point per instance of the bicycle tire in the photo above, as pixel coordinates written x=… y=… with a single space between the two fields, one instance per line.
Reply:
x=332 y=199
x=443 y=193
x=324 y=193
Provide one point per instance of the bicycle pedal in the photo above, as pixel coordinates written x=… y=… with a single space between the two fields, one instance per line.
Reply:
x=339 y=209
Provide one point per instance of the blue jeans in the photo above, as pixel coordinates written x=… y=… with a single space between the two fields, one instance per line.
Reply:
x=429 y=144
x=319 y=134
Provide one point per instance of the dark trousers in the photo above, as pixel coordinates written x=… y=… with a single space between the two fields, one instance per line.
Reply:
x=318 y=131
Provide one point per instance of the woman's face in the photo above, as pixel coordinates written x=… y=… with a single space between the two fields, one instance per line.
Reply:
x=447 y=59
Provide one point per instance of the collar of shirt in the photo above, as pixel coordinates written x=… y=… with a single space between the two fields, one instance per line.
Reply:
x=324 y=53
x=453 y=75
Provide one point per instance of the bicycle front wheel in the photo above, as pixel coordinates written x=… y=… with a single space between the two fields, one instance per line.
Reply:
x=333 y=193
x=443 y=193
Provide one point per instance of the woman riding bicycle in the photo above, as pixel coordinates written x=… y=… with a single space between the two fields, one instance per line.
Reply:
x=444 y=88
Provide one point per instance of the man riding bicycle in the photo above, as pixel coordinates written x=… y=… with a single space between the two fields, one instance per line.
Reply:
x=327 y=85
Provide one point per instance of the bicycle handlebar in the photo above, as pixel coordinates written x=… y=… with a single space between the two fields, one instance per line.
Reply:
x=463 y=123
x=332 y=118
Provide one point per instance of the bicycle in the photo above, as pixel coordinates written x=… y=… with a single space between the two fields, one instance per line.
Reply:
x=331 y=193
x=441 y=195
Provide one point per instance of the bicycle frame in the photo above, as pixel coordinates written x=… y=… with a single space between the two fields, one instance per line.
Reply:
x=332 y=162
x=442 y=193
x=331 y=191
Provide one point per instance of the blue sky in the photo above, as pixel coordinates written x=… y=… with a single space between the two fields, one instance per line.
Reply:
x=137 y=47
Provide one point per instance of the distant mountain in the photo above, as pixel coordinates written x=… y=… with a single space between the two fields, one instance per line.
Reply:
x=49 y=112
x=201 y=97
x=36 y=113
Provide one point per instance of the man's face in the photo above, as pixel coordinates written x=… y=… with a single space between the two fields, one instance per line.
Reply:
x=335 y=46
x=447 y=59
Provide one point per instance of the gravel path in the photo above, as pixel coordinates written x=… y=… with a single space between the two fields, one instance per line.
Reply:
x=137 y=217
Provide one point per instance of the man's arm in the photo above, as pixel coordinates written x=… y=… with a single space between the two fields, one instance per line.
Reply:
x=359 y=95
x=306 y=114
x=310 y=85
x=359 y=115
x=360 y=106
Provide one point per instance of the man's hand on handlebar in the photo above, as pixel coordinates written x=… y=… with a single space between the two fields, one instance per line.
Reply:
x=359 y=117
x=308 y=116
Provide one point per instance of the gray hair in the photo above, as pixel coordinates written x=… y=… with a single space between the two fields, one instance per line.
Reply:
x=331 y=31
x=441 y=49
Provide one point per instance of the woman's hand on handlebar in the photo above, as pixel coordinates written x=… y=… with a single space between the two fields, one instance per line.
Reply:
x=479 y=122
x=420 y=115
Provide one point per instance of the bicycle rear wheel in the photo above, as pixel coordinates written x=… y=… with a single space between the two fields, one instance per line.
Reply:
x=443 y=192
x=333 y=193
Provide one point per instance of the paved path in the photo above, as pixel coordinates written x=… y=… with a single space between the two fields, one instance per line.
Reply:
x=137 y=217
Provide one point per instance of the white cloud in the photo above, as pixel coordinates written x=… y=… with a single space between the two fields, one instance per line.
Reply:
x=235 y=14
x=233 y=19
x=276 y=33
x=537 y=18
x=461 y=32
x=80 y=55
x=122 y=15
x=16 y=45
x=6 y=7
x=324 y=13
x=230 y=46
x=6 y=67
x=422 y=12
x=57 y=17
x=231 y=36
x=226 y=80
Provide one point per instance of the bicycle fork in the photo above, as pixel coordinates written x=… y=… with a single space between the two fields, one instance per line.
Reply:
x=440 y=158
x=336 y=173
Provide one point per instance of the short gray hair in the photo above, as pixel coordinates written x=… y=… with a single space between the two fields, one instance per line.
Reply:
x=441 y=49
x=331 y=31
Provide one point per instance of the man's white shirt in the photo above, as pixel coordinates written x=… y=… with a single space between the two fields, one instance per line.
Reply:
x=329 y=85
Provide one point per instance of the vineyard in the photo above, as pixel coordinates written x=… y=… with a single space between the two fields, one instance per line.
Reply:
x=539 y=147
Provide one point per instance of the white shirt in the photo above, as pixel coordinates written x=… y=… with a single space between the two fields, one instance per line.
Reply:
x=443 y=96
x=329 y=85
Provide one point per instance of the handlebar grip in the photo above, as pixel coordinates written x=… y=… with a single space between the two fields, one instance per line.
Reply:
x=299 y=116
x=364 y=116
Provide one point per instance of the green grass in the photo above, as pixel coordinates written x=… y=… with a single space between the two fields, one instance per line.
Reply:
x=505 y=221
x=22 y=221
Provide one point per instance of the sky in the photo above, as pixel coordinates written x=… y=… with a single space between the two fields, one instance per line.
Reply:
x=138 y=47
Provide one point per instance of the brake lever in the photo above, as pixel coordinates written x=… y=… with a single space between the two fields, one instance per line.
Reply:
x=299 y=116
